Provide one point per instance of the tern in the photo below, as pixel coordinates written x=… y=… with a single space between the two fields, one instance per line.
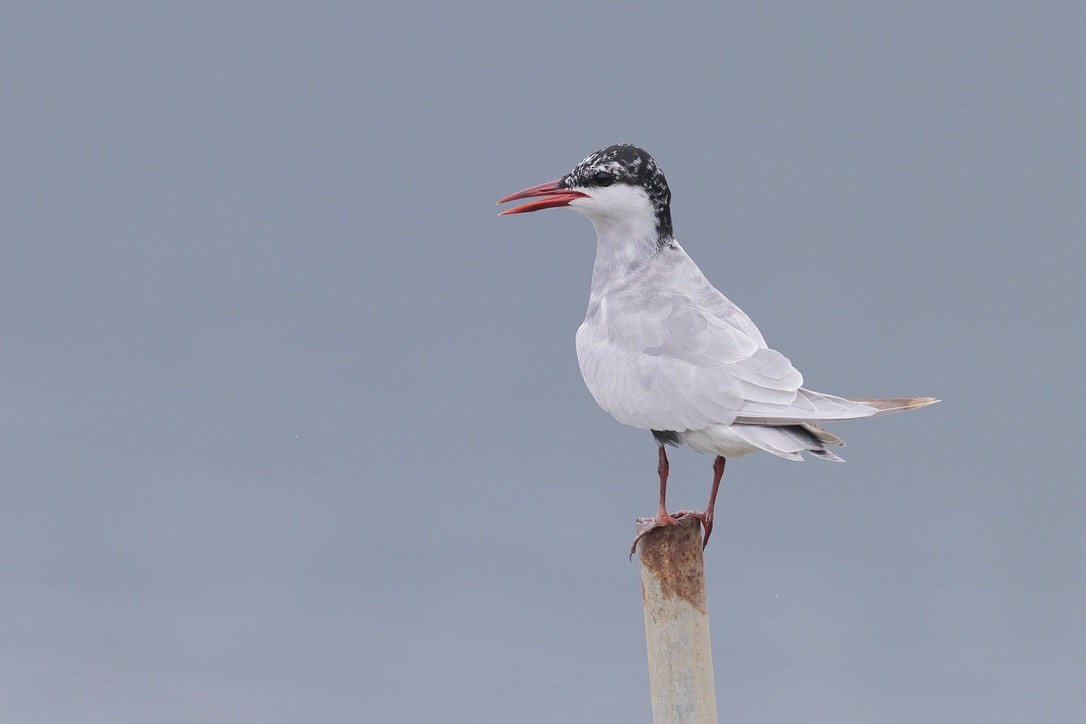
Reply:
x=662 y=350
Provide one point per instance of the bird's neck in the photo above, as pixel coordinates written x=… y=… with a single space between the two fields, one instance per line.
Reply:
x=622 y=245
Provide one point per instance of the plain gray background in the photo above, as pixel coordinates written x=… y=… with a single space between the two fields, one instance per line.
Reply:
x=293 y=428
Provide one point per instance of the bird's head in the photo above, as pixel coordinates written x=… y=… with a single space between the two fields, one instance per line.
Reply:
x=619 y=185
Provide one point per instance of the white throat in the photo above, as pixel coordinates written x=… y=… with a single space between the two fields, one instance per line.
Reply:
x=626 y=233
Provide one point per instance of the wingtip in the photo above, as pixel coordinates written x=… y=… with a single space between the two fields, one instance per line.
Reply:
x=886 y=406
x=914 y=402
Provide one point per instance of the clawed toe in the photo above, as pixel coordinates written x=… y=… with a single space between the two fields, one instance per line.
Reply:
x=651 y=524
x=706 y=519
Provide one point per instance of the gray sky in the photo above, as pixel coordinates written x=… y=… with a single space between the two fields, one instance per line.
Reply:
x=293 y=427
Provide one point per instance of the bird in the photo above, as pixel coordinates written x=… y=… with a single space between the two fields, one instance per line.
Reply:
x=661 y=349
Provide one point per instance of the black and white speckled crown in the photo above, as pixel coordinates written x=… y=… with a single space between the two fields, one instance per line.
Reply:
x=631 y=165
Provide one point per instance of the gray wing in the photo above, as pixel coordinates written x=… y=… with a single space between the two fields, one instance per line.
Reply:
x=670 y=352
x=677 y=364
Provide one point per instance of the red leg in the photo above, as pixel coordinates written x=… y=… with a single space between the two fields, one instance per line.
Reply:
x=662 y=469
x=662 y=518
x=706 y=518
x=707 y=521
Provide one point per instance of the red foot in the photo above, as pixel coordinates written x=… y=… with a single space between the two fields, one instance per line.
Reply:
x=706 y=519
x=651 y=524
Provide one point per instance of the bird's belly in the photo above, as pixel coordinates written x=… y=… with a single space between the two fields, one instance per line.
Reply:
x=716 y=440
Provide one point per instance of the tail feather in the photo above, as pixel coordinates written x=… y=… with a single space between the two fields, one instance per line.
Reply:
x=823 y=435
x=789 y=441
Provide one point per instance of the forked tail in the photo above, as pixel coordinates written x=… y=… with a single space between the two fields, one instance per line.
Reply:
x=788 y=437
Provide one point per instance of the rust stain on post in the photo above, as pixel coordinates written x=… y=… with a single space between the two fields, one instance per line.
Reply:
x=677 y=564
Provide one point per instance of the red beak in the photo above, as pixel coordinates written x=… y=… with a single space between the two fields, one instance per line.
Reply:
x=552 y=197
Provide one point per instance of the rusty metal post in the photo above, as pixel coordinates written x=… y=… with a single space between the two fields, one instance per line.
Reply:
x=677 y=625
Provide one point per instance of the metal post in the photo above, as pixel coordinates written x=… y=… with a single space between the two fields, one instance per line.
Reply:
x=677 y=625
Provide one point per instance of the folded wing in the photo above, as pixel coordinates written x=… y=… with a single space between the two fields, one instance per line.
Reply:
x=680 y=362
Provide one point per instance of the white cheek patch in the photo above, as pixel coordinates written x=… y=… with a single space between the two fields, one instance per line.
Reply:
x=620 y=201
x=622 y=214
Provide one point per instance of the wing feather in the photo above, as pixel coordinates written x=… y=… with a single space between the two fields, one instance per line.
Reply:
x=678 y=356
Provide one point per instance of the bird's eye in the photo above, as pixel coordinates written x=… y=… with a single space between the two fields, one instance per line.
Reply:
x=604 y=179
